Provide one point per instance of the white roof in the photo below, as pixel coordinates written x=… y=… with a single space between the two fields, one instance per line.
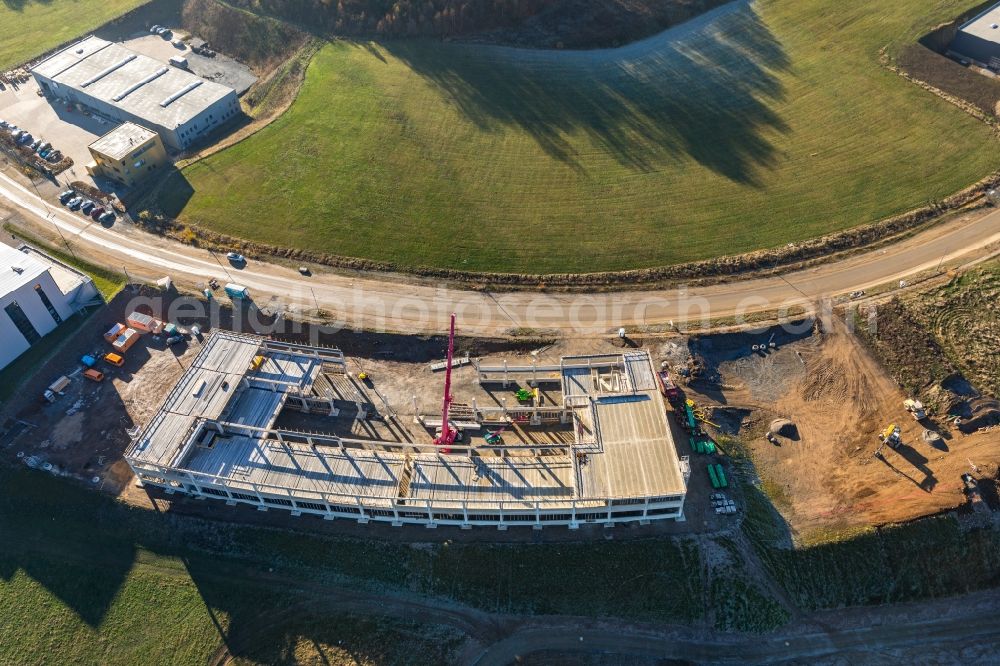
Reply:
x=123 y=139
x=10 y=279
x=982 y=26
x=147 y=88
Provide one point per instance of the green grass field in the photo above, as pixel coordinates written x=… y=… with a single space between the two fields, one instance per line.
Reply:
x=86 y=579
x=31 y=27
x=773 y=124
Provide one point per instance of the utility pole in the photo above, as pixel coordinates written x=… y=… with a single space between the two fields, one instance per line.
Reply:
x=51 y=218
x=219 y=261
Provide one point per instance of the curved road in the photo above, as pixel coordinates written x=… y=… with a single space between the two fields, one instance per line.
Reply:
x=396 y=303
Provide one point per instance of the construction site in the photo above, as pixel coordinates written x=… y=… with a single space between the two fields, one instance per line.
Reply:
x=833 y=441
x=281 y=425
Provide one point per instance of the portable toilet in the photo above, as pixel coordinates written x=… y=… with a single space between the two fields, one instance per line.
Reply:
x=237 y=291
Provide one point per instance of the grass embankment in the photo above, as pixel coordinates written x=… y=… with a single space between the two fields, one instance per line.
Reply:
x=768 y=127
x=87 y=579
x=108 y=282
x=84 y=579
x=31 y=27
x=929 y=558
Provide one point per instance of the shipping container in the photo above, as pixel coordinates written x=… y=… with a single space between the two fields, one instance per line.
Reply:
x=144 y=323
x=125 y=341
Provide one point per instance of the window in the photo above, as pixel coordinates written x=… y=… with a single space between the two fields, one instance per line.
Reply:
x=626 y=514
x=311 y=505
x=141 y=151
x=214 y=491
x=247 y=498
x=48 y=304
x=278 y=502
x=22 y=322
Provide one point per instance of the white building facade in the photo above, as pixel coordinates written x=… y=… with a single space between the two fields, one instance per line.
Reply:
x=37 y=294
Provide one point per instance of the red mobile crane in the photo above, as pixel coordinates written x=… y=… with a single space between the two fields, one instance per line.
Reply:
x=448 y=434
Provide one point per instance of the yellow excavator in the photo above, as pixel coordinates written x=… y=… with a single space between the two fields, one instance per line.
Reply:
x=891 y=436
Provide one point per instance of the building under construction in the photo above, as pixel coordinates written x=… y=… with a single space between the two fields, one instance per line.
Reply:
x=594 y=446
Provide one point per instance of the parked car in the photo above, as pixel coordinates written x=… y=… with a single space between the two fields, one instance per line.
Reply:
x=97 y=212
x=4 y=124
x=35 y=144
x=174 y=339
x=66 y=196
x=108 y=216
x=153 y=30
x=236 y=258
x=857 y=294
x=54 y=156
x=25 y=139
x=304 y=270
x=45 y=146
x=87 y=207
x=93 y=375
x=44 y=153
x=74 y=203
x=114 y=359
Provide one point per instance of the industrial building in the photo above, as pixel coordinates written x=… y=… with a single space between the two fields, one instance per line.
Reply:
x=127 y=154
x=116 y=83
x=37 y=293
x=979 y=38
x=598 y=450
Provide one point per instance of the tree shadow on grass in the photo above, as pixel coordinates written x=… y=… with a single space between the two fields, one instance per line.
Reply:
x=699 y=92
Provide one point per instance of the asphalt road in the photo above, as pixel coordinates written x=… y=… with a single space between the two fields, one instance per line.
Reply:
x=397 y=303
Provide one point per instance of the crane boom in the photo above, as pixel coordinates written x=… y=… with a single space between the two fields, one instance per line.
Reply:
x=447 y=436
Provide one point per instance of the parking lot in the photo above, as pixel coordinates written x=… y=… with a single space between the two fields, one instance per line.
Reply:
x=218 y=68
x=64 y=127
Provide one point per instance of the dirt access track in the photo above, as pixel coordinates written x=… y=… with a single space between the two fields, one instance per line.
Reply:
x=383 y=303
x=826 y=478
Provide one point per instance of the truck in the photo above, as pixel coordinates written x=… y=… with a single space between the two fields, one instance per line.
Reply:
x=668 y=387
x=915 y=408
x=235 y=291
x=56 y=388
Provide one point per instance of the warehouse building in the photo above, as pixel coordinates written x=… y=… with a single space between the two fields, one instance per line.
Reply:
x=37 y=293
x=127 y=154
x=979 y=38
x=121 y=85
x=601 y=452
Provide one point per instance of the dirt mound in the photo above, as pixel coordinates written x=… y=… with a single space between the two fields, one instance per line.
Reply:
x=985 y=418
x=784 y=428
x=930 y=436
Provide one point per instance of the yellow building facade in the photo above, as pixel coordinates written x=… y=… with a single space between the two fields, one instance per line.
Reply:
x=127 y=154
